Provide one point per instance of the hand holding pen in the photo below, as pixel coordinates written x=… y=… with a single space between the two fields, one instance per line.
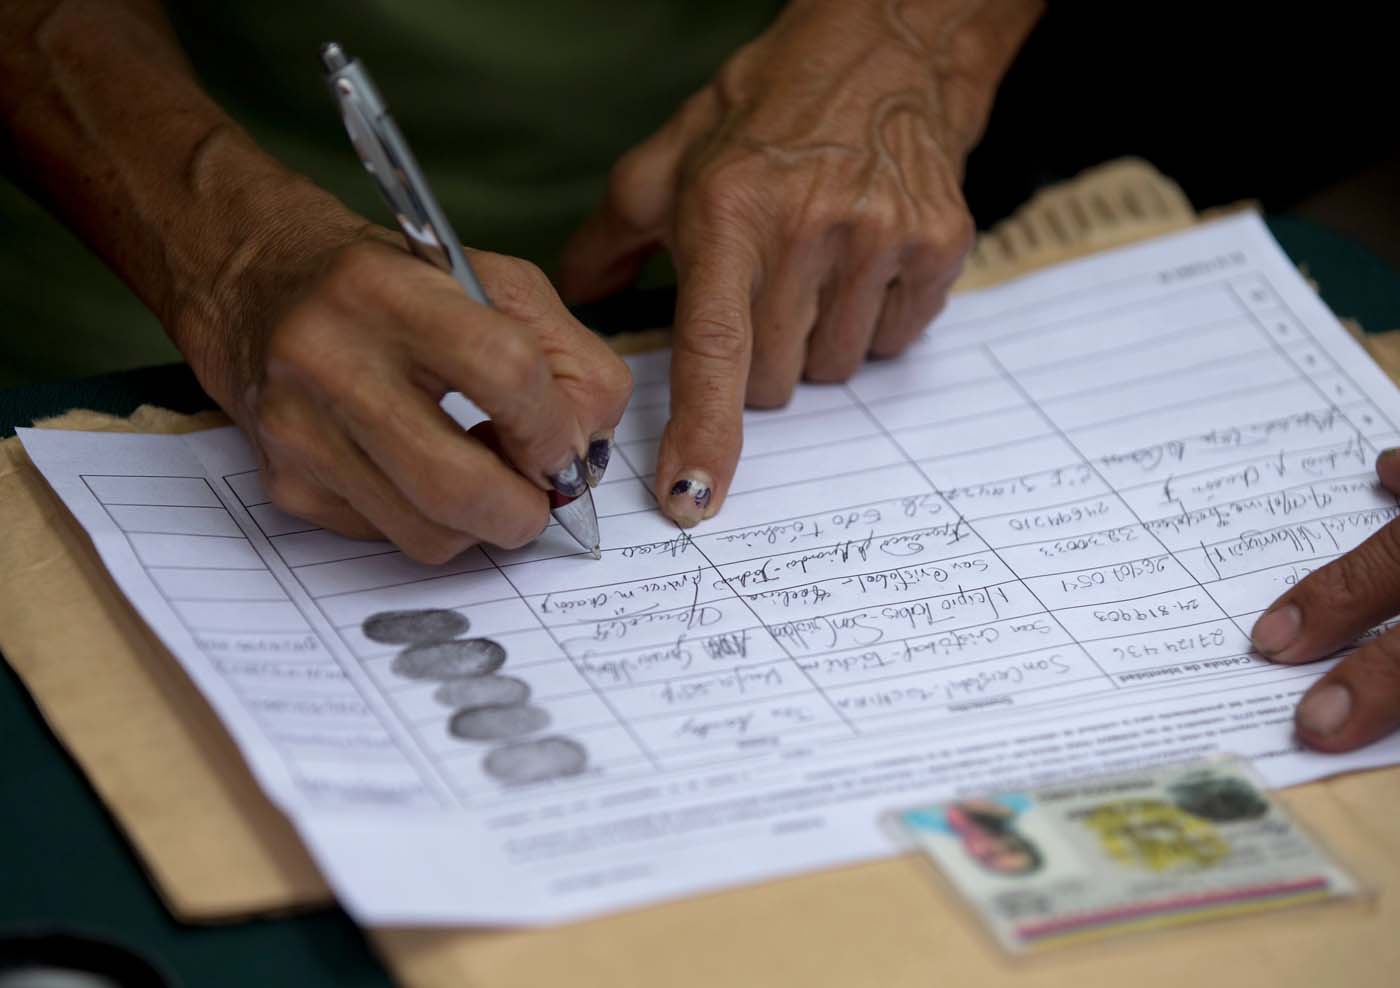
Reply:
x=347 y=344
x=530 y=408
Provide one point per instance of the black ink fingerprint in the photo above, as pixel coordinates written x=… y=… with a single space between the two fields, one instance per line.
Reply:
x=482 y=691
x=537 y=760
x=496 y=722
x=407 y=627
x=450 y=659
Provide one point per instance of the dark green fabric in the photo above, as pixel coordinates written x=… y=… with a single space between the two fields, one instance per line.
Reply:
x=63 y=314
x=515 y=110
x=1355 y=283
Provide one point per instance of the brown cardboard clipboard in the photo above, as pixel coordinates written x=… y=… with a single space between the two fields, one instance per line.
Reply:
x=217 y=850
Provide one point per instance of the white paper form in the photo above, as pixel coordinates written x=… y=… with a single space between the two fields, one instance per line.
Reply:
x=1032 y=547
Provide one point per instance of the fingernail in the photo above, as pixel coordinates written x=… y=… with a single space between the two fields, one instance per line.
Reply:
x=689 y=498
x=571 y=481
x=599 y=452
x=1324 y=711
x=1278 y=629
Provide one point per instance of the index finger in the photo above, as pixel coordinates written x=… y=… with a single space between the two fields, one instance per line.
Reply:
x=1357 y=701
x=711 y=352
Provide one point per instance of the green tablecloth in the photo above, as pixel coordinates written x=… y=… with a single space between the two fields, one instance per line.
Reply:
x=64 y=864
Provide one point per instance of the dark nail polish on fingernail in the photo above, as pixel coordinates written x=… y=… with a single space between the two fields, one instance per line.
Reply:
x=571 y=481
x=689 y=498
x=599 y=452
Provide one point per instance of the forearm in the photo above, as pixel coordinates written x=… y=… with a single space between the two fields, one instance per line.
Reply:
x=103 y=121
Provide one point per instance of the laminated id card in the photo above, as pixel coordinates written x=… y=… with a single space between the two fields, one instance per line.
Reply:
x=1159 y=847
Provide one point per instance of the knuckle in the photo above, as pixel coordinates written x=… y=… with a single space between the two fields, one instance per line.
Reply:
x=811 y=229
x=1344 y=587
x=520 y=285
x=524 y=528
x=1334 y=586
x=878 y=227
x=309 y=350
x=973 y=47
x=293 y=495
x=282 y=423
x=769 y=391
x=439 y=494
x=731 y=82
x=946 y=239
x=630 y=172
x=1386 y=549
x=434 y=548
x=614 y=382
x=1362 y=579
x=1385 y=659
x=720 y=333
x=835 y=367
x=515 y=362
x=960 y=235
x=355 y=271
x=296 y=345
x=722 y=192
x=624 y=172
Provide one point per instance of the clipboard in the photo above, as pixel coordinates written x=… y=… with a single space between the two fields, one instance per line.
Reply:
x=218 y=851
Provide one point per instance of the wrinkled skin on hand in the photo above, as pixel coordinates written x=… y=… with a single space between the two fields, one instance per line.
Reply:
x=338 y=369
x=810 y=197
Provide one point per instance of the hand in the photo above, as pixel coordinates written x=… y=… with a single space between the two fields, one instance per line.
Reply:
x=1358 y=700
x=810 y=197
x=337 y=377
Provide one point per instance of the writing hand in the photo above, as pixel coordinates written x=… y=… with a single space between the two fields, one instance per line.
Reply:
x=338 y=387
x=810 y=196
x=1358 y=700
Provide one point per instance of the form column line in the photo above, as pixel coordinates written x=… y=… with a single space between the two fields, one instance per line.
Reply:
x=752 y=613
x=352 y=668
x=622 y=721
x=962 y=520
x=1011 y=380
x=1253 y=317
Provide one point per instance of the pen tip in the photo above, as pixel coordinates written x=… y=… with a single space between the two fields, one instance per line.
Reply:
x=597 y=552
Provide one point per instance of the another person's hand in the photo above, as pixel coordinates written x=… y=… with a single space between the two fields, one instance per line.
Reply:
x=1358 y=700
x=338 y=369
x=811 y=199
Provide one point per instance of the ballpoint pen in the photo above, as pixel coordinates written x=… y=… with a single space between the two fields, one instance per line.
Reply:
x=387 y=158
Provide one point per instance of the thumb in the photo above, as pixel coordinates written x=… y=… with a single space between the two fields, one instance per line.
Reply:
x=1357 y=702
x=1331 y=606
x=607 y=252
x=1388 y=469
